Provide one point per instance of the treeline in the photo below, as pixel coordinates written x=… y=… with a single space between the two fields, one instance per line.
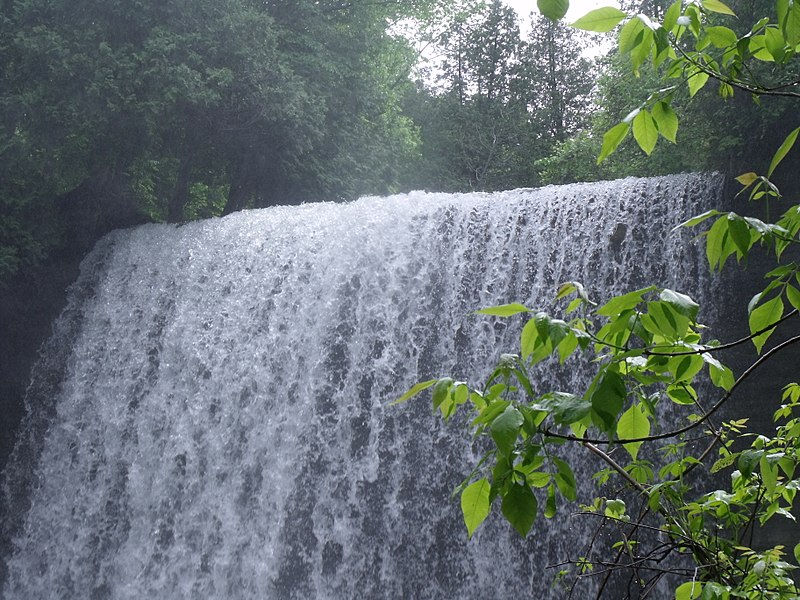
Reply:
x=115 y=112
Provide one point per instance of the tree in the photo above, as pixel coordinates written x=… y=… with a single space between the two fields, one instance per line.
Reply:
x=557 y=78
x=648 y=350
x=481 y=121
x=750 y=128
x=114 y=113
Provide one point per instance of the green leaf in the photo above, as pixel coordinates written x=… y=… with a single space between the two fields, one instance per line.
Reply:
x=763 y=316
x=724 y=462
x=696 y=82
x=672 y=14
x=612 y=139
x=607 y=398
x=565 y=289
x=719 y=245
x=679 y=394
x=475 y=504
x=747 y=179
x=415 y=389
x=503 y=310
x=567 y=347
x=565 y=408
x=667 y=120
x=631 y=35
x=601 y=20
x=633 y=424
x=790 y=24
x=553 y=9
x=689 y=590
x=645 y=131
x=441 y=390
x=717 y=7
x=721 y=376
x=793 y=295
x=550 y=506
x=684 y=368
x=505 y=429
x=682 y=303
x=769 y=474
x=565 y=479
x=699 y=218
x=519 y=508
x=619 y=304
x=721 y=37
x=783 y=151
x=740 y=233
x=529 y=339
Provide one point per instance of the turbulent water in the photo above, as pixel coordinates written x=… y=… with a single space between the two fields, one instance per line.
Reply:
x=210 y=418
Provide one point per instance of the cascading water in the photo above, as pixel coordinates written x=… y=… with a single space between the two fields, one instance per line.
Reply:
x=210 y=418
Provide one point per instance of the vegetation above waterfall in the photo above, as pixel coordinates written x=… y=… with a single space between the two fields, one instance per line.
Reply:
x=119 y=113
x=650 y=413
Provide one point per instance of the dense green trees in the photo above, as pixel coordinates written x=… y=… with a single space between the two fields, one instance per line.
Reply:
x=495 y=102
x=115 y=112
x=185 y=109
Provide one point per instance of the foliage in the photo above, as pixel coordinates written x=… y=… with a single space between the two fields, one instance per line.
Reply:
x=751 y=129
x=495 y=102
x=646 y=356
x=177 y=110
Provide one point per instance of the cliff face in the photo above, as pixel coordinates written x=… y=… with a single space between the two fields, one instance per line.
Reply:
x=27 y=309
x=31 y=301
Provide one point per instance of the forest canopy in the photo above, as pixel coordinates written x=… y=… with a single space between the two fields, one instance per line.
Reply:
x=120 y=112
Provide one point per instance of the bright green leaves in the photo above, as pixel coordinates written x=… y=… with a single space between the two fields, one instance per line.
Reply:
x=784 y=149
x=612 y=139
x=553 y=9
x=607 y=396
x=634 y=423
x=681 y=303
x=645 y=131
x=717 y=7
x=503 y=310
x=789 y=20
x=565 y=408
x=666 y=120
x=505 y=429
x=696 y=81
x=441 y=391
x=519 y=508
x=475 y=504
x=734 y=235
x=601 y=20
x=565 y=479
x=543 y=334
x=646 y=127
x=415 y=389
x=670 y=317
x=619 y=304
x=763 y=317
x=690 y=590
x=721 y=37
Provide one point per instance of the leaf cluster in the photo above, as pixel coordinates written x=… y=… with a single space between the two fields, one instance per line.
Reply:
x=655 y=382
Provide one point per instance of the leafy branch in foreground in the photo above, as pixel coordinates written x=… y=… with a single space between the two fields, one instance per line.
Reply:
x=648 y=363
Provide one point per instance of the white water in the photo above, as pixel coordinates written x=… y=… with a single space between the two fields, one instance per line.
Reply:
x=215 y=396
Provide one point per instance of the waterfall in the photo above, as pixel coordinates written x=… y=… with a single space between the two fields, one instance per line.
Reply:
x=210 y=418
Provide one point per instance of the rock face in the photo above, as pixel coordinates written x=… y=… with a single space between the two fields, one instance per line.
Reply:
x=31 y=301
x=28 y=307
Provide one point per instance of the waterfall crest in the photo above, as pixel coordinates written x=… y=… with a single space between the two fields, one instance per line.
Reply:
x=210 y=419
